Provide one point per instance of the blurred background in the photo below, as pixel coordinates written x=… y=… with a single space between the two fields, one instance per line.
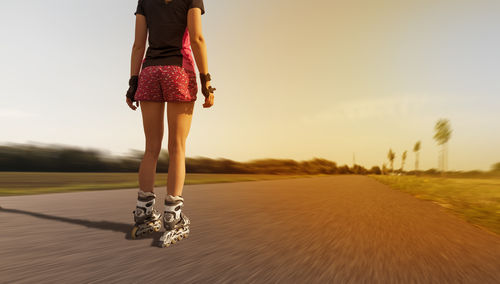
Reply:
x=373 y=98
x=339 y=80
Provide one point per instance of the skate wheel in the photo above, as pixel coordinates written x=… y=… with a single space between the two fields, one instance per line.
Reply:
x=134 y=232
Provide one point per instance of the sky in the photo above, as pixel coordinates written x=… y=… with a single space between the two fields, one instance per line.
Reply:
x=330 y=79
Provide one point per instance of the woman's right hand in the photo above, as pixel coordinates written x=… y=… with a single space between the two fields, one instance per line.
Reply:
x=209 y=100
x=206 y=89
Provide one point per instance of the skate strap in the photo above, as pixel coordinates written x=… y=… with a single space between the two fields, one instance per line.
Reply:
x=174 y=207
x=147 y=206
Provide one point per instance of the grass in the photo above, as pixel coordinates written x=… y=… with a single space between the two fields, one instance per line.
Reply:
x=475 y=199
x=24 y=183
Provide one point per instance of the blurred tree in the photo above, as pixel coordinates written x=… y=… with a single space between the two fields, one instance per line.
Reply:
x=375 y=170
x=359 y=170
x=403 y=159
x=163 y=161
x=384 y=168
x=391 y=155
x=496 y=167
x=431 y=172
x=344 y=170
x=57 y=158
x=416 y=149
x=442 y=135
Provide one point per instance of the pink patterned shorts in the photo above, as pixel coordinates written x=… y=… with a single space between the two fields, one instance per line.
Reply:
x=169 y=83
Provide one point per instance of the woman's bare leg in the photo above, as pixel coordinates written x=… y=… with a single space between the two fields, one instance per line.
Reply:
x=179 y=116
x=152 y=119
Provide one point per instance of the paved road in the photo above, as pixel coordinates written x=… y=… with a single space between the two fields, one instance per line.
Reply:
x=339 y=229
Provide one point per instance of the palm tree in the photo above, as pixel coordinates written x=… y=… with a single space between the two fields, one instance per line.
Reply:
x=403 y=159
x=391 y=155
x=442 y=136
x=416 y=149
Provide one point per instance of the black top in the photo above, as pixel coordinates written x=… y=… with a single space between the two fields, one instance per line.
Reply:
x=168 y=37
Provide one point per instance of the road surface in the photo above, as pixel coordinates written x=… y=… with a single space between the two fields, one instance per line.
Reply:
x=333 y=229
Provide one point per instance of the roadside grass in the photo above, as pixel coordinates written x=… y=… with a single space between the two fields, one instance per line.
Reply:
x=475 y=199
x=25 y=183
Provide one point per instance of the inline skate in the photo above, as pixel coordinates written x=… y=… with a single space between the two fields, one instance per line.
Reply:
x=176 y=223
x=147 y=219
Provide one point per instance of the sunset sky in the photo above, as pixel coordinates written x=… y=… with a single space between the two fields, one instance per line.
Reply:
x=294 y=79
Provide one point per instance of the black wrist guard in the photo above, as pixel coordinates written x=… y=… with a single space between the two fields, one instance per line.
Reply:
x=133 y=83
x=204 y=78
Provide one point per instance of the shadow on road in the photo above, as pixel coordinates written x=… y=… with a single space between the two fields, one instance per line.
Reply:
x=103 y=225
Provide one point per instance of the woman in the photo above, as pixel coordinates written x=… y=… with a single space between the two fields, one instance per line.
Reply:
x=167 y=75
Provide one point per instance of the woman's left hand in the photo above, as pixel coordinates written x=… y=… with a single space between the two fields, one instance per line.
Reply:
x=131 y=104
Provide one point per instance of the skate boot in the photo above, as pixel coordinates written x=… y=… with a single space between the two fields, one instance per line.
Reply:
x=147 y=219
x=176 y=223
